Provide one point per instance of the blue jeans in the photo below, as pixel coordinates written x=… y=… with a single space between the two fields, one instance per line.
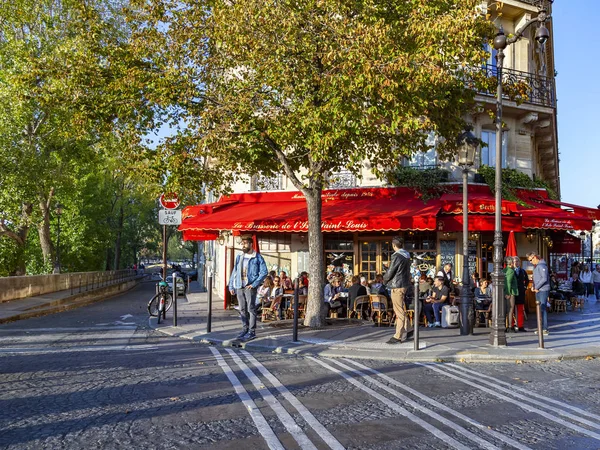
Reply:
x=247 y=302
x=541 y=298
x=597 y=290
x=437 y=308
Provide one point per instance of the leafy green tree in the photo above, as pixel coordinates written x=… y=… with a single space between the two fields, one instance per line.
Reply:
x=66 y=85
x=311 y=87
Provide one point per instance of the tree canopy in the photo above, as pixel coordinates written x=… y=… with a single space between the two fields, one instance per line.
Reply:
x=311 y=87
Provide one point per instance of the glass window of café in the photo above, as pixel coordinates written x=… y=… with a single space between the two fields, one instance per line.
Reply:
x=276 y=250
x=339 y=254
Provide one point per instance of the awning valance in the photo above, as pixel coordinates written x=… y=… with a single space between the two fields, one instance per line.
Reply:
x=366 y=209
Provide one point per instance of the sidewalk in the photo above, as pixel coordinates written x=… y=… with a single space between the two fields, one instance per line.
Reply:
x=53 y=302
x=572 y=335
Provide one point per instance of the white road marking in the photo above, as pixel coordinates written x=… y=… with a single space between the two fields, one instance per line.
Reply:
x=126 y=316
x=583 y=412
x=288 y=422
x=323 y=433
x=461 y=377
x=528 y=398
x=94 y=348
x=68 y=330
x=259 y=420
x=428 y=427
x=460 y=430
x=441 y=407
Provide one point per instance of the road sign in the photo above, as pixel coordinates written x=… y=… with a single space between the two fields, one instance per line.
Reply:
x=169 y=217
x=170 y=200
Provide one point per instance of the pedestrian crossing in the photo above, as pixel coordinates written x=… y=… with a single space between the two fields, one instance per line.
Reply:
x=452 y=427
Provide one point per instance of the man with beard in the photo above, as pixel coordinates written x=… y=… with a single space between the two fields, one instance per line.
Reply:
x=249 y=272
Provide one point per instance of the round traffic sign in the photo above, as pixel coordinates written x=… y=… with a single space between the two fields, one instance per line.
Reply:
x=170 y=200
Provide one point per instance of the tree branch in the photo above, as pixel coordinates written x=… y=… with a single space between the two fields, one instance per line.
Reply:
x=284 y=162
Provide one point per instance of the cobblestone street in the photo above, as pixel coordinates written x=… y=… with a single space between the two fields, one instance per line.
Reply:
x=93 y=378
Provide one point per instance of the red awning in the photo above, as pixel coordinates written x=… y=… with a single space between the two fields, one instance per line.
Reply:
x=361 y=209
x=199 y=235
x=480 y=203
x=590 y=213
x=554 y=219
x=477 y=222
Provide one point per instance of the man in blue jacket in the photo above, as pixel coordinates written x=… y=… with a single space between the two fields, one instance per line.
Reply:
x=541 y=286
x=249 y=272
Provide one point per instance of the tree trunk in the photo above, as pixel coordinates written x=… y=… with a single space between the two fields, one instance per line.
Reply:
x=44 y=232
x=118 y=239
x=19 y=237
x=314 y=317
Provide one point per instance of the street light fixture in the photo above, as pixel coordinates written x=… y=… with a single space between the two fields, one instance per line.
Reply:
x=58 y=211
x=501 y=41
x=467 y=146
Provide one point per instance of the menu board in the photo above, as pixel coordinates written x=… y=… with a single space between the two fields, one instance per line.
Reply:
x=472 y=257
x=447 y=252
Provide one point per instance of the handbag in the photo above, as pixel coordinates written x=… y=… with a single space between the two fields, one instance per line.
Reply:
x=335 y=304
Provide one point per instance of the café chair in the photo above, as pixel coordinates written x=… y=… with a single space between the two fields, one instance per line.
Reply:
x=578 y=303
x=379 y=308
x=360 y=308
x=560 y=305
x=301 y=307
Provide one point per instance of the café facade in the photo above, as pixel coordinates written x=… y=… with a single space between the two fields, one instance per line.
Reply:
x=359 y=223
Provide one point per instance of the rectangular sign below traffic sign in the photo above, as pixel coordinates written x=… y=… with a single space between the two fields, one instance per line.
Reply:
x=169 y=217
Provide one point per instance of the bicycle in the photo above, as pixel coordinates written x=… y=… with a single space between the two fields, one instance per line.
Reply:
x=161 y=302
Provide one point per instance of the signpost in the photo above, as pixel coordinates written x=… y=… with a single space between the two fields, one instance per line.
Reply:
x=168 y=216
x=170 y=200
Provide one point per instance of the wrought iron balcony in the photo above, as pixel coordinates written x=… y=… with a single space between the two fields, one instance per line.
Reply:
x=522 y=87
x=342 y=180
x=263 y=183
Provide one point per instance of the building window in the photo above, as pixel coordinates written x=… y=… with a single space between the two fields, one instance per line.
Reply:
x=488 y=151
x=427 y=159
x=276 y=242
x=491 y=62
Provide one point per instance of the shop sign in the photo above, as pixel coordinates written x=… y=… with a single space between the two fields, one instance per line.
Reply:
x=302 y=225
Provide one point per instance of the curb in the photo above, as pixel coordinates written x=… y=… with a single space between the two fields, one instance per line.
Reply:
x=304 y=348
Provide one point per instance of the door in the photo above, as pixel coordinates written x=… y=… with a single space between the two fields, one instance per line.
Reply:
x=375 y=256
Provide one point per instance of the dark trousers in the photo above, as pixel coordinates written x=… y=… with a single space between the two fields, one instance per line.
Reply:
x=247 y=302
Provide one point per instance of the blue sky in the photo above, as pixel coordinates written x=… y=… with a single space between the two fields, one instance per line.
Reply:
x=578 y=92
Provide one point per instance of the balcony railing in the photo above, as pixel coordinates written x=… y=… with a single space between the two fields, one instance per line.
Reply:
x=263 y=183
x=522 y=87
x=342 y=180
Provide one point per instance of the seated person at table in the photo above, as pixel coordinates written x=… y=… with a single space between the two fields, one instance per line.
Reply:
x=356 y=290
x=378 y=287
x=483 y=297
x=554 y=287
x=365 y=283
x=303 y=283
x=433 y=304
x=286 y=282
x=332 y=296
x=263 y=293
x=577 y=286
x=276 y=297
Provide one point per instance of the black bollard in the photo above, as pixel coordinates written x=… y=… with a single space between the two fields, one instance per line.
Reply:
x=209 y=316
x=295 y=324
x=175 y=301
x=416 y=313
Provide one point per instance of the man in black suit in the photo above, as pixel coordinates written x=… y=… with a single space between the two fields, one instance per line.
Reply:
x=522 y=282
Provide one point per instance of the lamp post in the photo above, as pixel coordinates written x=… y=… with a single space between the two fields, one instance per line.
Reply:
x=58 y=211
x=497 y=334
x=467 y=146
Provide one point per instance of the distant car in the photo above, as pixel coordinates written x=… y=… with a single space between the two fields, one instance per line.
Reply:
x=180 y=285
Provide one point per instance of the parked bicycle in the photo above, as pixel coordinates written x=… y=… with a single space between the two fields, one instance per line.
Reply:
x=161 y=302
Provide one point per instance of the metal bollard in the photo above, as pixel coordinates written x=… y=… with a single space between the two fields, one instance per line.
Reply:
x=416 y=314
x=538 y=311
x=176 y=294
x=295 y=324
x=209 y=316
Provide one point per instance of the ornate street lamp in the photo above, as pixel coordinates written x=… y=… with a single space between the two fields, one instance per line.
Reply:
x=467 y=146
x=58 y=211
x=497 y=334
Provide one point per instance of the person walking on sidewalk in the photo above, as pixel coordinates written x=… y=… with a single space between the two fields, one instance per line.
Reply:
x=541 y=286
x=596 y=281
x=511 y=291
x=249 y=272
x=586 y=278
x=522 y=282
x=397 y=279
